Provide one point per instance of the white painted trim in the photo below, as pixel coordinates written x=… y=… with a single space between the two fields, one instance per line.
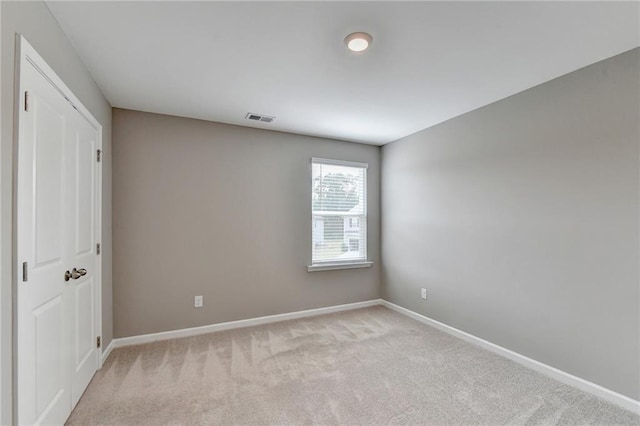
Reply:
x=559 y=375
x=339 y=162
x=107 y=351
x=332 y=266
x=29 y=54
x=194 y=331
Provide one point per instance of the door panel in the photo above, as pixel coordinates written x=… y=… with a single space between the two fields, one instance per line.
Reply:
x=84 y=329
x=84 y=195
x=82 y=214
x=57 y=201
x=49 y=131
x=84 y=359
x=43 y=374
x=48 y=319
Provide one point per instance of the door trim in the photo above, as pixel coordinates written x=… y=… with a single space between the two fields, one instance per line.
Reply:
x=26 y=55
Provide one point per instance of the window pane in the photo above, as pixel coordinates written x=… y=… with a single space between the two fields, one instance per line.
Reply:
x=339 y=212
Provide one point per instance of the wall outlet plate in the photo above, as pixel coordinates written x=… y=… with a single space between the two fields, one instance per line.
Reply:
x=198 y=302
x=423 y=293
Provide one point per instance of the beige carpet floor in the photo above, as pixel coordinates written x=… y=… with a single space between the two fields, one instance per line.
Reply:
x=369 y=366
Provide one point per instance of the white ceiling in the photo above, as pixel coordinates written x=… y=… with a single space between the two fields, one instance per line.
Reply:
x=429 y=61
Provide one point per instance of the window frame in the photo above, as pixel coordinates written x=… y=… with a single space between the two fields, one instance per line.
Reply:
x=347 y=263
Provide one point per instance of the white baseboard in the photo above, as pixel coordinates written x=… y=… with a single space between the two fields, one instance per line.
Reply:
x=106 y=352
x=554 y=373
x=194 y=331
x=559 y=375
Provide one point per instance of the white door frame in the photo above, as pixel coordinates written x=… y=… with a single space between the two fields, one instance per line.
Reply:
x=28 y=56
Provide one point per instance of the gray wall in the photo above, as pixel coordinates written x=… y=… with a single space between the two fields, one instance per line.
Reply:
x=521 y=220
x=222 y=211
x=35 y=22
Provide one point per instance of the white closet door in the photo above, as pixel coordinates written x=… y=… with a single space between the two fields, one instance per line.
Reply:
x=43 y=383
x=58 y=284
x=81 y=215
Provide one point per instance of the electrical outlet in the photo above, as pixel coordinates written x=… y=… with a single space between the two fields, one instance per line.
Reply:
x=198 y=302
x=423 y=293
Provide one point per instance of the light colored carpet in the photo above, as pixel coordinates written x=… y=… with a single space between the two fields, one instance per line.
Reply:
x=369 y=366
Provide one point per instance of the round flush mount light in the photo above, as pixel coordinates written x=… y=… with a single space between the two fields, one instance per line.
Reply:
x=357 y=42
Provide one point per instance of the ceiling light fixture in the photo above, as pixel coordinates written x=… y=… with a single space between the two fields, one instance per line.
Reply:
x=357 y=42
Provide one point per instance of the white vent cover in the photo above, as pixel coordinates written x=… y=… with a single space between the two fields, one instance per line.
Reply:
x=259 y=117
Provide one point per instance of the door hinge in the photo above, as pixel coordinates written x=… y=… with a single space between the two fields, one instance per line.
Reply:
x=25 y=269
x=26 y=101
x=99 y=156
x=98 y=248
x=98 y=342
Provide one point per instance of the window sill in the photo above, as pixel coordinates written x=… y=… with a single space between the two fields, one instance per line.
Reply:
x=333 y=266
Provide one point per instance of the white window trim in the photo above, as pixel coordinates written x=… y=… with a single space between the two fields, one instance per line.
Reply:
x=329 y=266
x=339 y=162
x=348 y=264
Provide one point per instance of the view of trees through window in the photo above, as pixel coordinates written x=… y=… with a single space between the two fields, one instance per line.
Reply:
x=339 y=212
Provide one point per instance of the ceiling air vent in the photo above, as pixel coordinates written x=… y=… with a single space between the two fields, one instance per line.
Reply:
x=259 y=117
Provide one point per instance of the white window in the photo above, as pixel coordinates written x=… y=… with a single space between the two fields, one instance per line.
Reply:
x=339 y=212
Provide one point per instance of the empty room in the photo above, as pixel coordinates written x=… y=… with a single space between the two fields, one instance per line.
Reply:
x=320 y=212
